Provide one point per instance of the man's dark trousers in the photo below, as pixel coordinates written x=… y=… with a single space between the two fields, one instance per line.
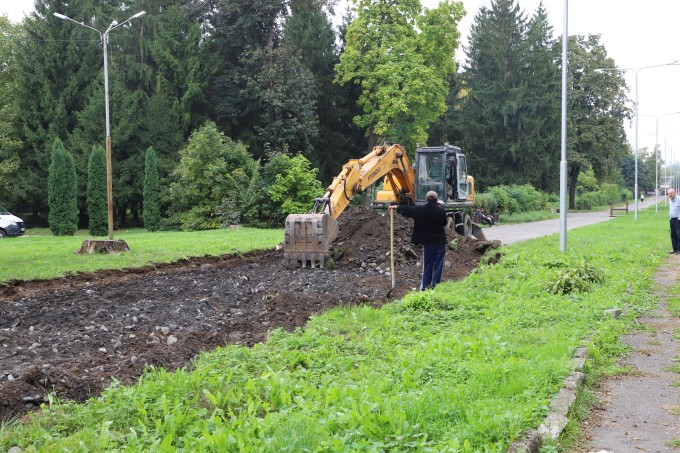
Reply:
x=433 y=263
x=675 y=234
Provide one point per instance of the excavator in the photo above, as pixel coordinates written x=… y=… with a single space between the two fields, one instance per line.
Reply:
x=440 y=168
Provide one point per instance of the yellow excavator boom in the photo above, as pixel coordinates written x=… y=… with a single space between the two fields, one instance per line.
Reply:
x=308 y=236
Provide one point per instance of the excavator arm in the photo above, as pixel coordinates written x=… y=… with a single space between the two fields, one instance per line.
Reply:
x=308 y=236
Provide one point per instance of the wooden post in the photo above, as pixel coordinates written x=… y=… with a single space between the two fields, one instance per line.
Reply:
x=392 y=244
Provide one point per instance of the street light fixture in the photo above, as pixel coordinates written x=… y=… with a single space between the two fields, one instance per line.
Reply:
x=637 y=72
x=104 y=37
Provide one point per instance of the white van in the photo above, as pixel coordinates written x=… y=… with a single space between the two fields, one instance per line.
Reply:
x=10 y=225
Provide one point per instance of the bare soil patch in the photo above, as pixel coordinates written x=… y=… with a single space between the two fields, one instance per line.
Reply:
x=72 y=335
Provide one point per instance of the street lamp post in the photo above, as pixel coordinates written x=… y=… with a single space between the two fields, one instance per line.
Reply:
x=563 y=146
x=657 y=145
x=637 y=151
x=104 y=37
x=665 y=180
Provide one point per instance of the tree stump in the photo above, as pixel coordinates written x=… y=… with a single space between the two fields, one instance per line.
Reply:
x=103 y=246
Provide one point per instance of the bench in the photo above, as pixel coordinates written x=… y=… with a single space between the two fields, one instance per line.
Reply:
x=621 y=208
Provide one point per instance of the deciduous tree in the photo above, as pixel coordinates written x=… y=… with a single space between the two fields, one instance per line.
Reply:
x=596 y=111
x=401 y=56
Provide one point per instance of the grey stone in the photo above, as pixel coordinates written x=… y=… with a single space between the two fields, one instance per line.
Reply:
x=613 y=312
x=581 y=352
x=579 y=363
x=574 y=380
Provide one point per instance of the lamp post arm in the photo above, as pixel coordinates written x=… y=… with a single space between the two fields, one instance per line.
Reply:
x=115 y=24
x=82 y=24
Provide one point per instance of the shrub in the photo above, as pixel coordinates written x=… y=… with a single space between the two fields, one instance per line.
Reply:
x=506 y=204
x=212 y=168
x=97 y=197
x=62 y=192
x=612 y=192
x=590 y=199
x=152 y=208
x=487 y=202
x=528 y=198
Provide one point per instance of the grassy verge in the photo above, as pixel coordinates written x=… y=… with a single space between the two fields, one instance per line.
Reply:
x=463 y=368
x=41 y=255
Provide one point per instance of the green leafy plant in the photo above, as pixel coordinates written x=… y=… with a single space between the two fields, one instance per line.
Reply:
x=297 y=186
x=575 y=278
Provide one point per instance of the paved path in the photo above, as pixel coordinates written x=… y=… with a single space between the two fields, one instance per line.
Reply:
x=638 y=411
x=509 y=234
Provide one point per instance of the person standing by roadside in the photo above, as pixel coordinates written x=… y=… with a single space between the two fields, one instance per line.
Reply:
x=674 y=213
x=429 y=221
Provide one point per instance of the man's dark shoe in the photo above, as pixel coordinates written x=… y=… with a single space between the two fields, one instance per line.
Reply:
x=672 y=252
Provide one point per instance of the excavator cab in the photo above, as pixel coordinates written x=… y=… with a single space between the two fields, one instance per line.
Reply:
x=444 y=170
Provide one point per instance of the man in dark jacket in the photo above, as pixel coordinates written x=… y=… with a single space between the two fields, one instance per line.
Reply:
x=429 y=221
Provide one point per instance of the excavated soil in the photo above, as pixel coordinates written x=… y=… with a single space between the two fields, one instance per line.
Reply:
x=72 y=335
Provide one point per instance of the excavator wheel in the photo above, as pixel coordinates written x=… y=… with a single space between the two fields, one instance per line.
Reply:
x=464 y=226
x=308 y=238
x=461 y=223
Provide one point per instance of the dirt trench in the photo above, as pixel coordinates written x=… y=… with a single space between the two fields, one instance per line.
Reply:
x=72 y=335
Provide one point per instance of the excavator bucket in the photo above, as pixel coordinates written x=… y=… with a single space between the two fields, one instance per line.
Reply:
x=478 y=232
x=308 y=238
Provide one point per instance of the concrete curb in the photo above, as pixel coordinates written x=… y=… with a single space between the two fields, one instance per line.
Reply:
x=557 y=419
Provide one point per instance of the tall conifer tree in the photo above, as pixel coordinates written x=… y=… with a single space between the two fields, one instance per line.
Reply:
x=541 y=130
x=494 y=109
x=263 y=95
x=62 y=186
x=97 y=197
x=152 y=207
x=10 y=144
x=56 y=63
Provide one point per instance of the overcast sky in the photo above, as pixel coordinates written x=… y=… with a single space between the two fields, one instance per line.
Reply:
x=636 y=34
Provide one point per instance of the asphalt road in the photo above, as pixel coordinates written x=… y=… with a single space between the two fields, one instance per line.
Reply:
x=509 y=234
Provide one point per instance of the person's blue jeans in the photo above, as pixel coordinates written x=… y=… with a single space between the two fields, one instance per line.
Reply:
x=433 y=263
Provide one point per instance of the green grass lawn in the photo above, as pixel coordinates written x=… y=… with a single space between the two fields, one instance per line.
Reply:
x=464 y=368
x=39 y=255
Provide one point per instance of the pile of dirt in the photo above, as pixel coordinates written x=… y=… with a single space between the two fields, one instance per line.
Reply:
x=73 y=335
